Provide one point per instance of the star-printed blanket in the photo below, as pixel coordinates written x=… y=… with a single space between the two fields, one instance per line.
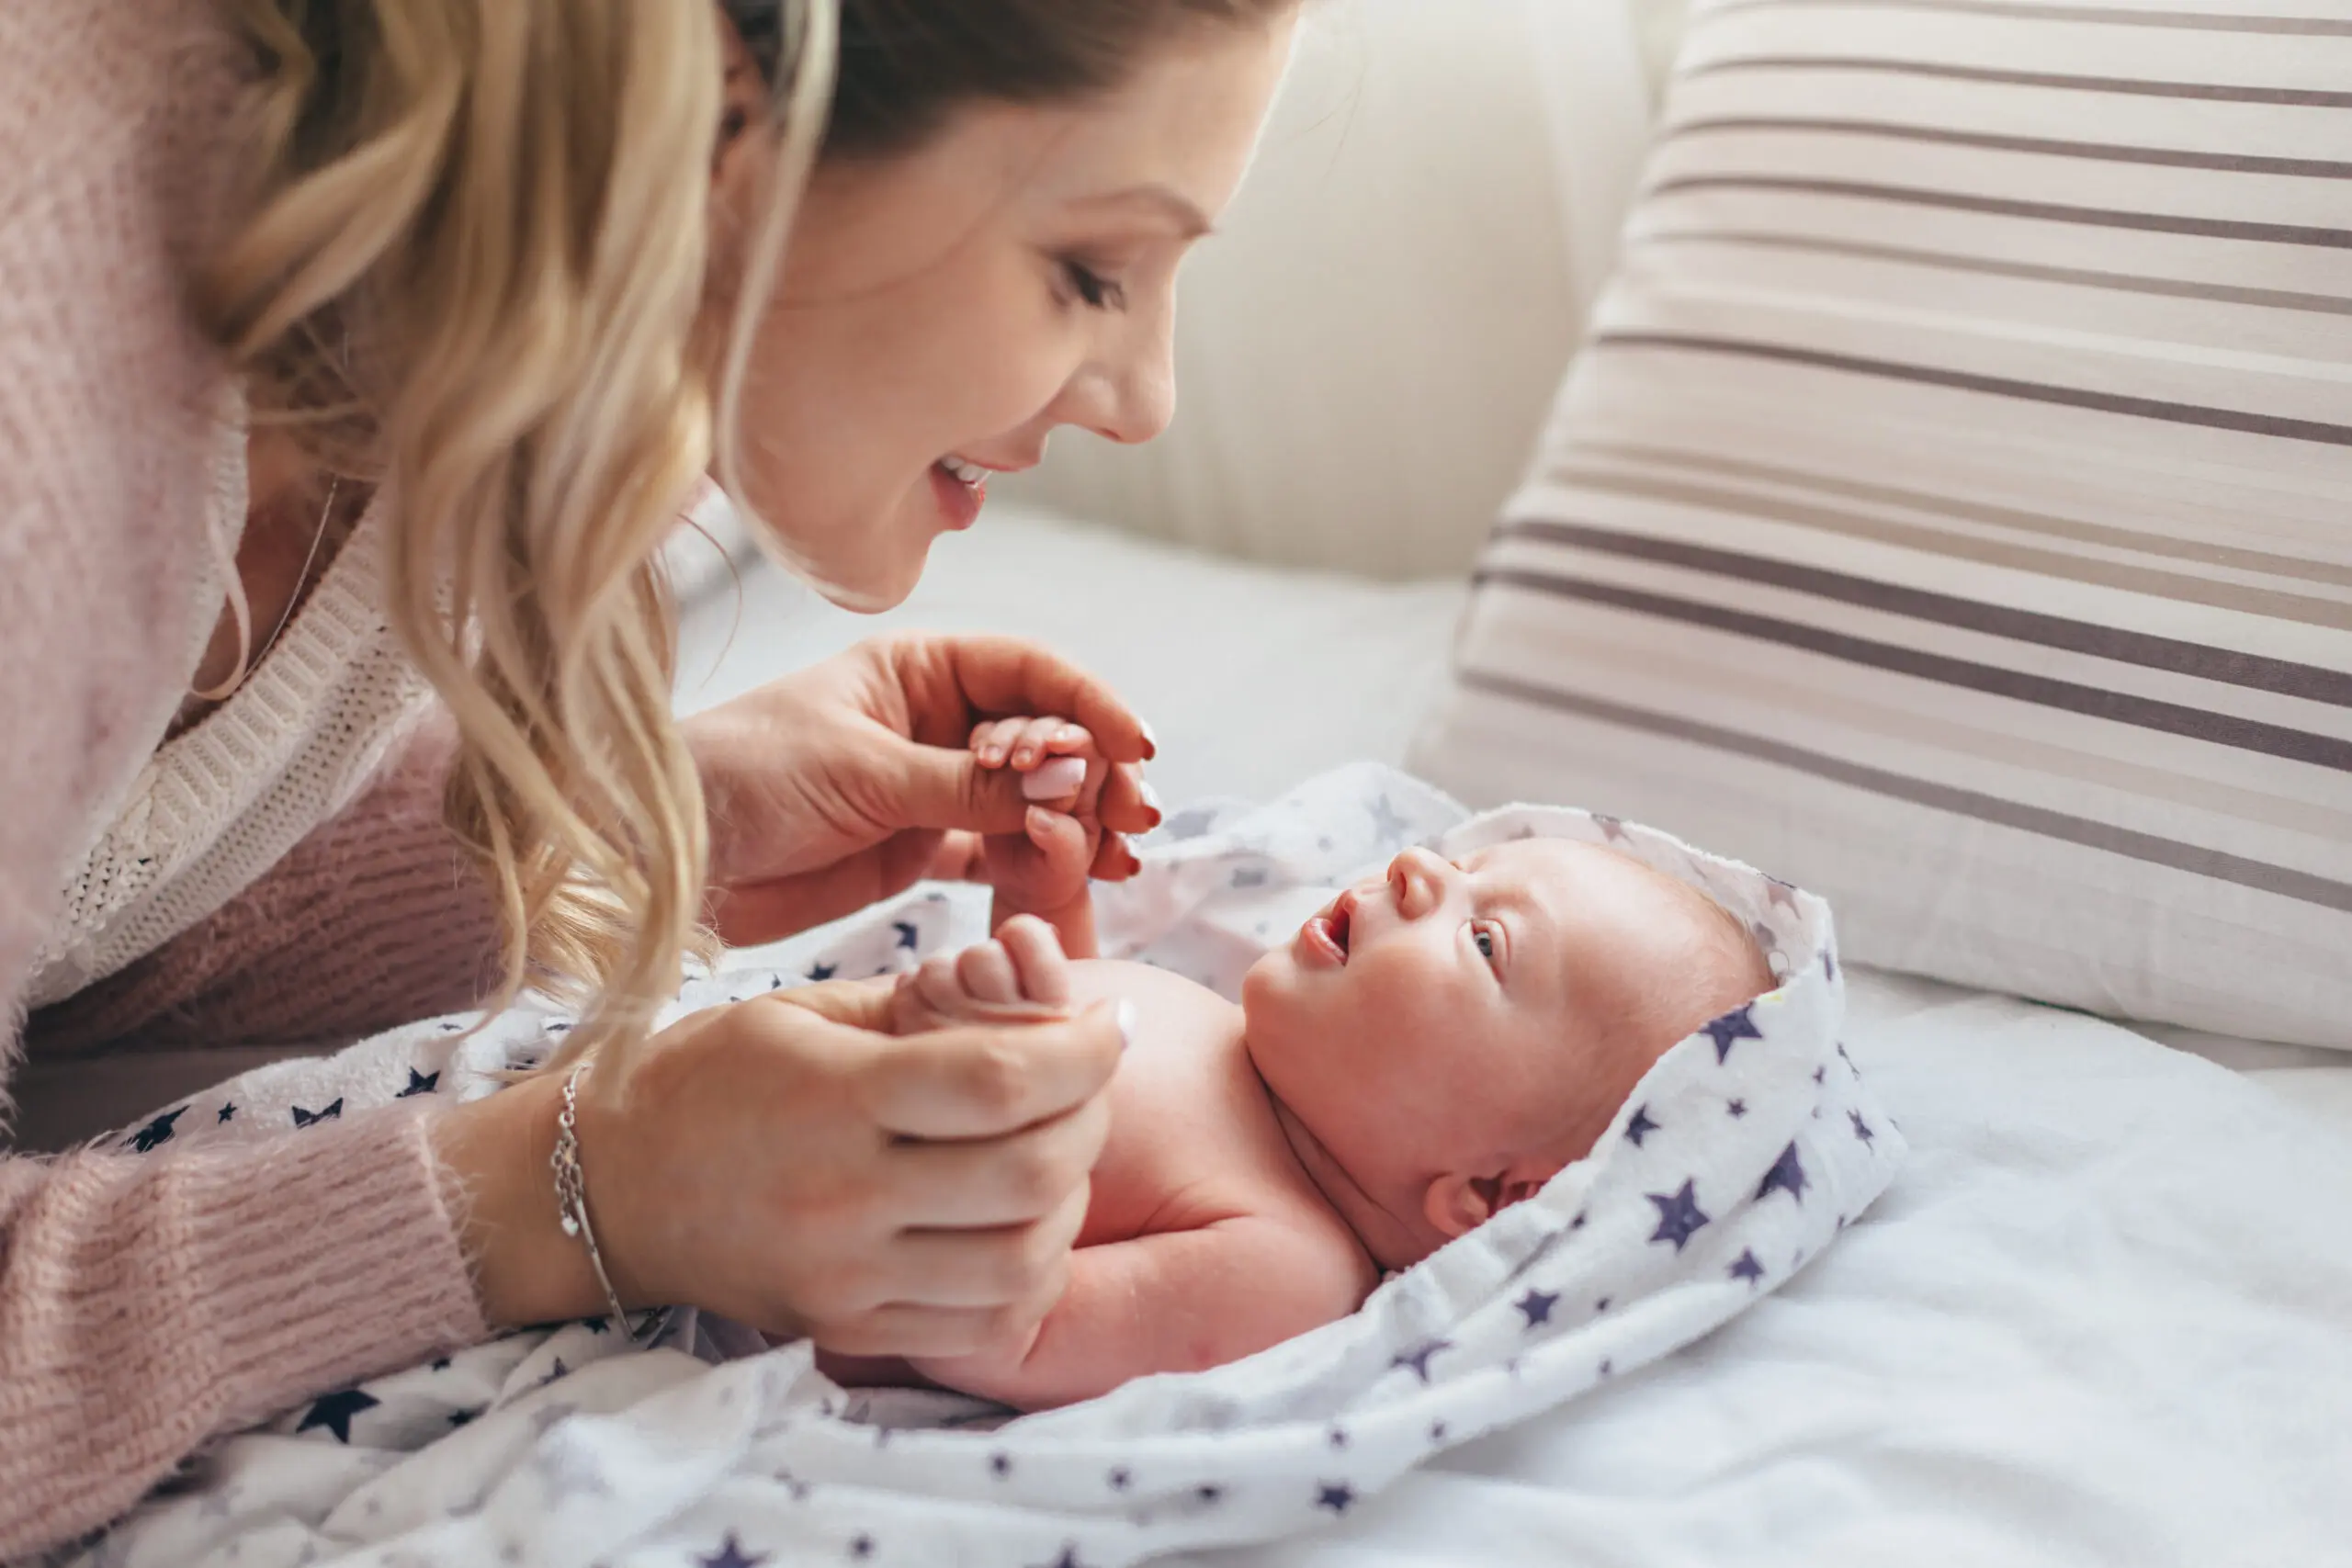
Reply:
x=1740 y=1157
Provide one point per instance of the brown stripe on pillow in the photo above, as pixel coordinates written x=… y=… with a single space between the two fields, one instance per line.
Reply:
x=2208 y=92
x=2120 y=16
x=2220 y=293
x=2285 y=881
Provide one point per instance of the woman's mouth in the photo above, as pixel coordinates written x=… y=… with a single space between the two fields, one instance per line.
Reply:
x=962 y=489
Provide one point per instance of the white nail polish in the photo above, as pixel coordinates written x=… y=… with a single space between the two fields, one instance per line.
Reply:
x=1062 y=776
x=1151 y=798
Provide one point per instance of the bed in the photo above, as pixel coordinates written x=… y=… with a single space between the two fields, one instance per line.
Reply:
x=2105 y=1315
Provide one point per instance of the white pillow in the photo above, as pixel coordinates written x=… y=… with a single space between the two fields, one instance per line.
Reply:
x=1951 y=511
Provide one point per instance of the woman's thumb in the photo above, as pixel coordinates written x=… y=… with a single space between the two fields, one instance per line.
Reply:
x=947 y=789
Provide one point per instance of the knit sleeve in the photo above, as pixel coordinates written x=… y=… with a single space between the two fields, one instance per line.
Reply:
x=373 y=920
x=149 y=1302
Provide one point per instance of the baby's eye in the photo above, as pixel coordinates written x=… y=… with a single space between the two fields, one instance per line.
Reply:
x=1489 y=947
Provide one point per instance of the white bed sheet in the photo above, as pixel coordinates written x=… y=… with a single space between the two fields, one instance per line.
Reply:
x=2106 y=1316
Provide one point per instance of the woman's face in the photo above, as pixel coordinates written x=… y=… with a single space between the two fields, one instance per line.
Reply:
x=943 y=311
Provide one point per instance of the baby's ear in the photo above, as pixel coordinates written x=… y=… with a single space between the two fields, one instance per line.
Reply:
x=1457 y=1203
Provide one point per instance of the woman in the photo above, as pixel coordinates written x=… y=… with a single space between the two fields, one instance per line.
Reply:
x=355 y=360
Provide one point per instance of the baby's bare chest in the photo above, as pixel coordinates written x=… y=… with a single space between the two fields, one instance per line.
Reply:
x=1193 y=1138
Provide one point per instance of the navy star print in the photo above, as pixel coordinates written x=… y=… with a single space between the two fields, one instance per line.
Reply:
x=1637 y=1127
x=418 y=1083
x=1536 y=1307
x=1337 y=1497
x=1862 y=1128
x=909 y=937
x=1744 y=1267
x=1679 y=1215
x=1737 y=1108
x=1613 y=828
x=820 y=973
x=1730 y=1029
x=228 y=1111
x=1390 y=827
x=730 y=1554
x=312 y=1118
x=1787 y=1175
x=1417 y=1358
x=334 y=1412
x=157 y=1131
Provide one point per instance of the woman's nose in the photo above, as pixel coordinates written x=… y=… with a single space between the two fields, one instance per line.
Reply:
x=1128 y=393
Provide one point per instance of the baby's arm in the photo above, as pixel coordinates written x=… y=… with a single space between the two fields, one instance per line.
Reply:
x=1174 y=1301
x=1046 y=870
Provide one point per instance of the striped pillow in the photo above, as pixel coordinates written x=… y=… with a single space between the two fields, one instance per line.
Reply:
x=1950 y=512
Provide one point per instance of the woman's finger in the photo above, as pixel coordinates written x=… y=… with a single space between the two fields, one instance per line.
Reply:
x=986 y=1081
x=947 y=679
x=1114 y=860
x=990 y=1268
x=1005 y=1181
x=920 y=1331
x=1128 y=802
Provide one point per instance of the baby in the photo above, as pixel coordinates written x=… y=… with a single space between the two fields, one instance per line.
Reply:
x=1428 y=1049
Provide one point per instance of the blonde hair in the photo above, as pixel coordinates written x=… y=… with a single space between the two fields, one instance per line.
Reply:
x=472 y=278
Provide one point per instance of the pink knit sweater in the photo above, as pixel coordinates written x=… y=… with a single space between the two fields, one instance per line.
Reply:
x=150 y=1303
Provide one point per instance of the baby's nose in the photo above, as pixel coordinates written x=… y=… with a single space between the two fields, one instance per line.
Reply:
x=1418 y=879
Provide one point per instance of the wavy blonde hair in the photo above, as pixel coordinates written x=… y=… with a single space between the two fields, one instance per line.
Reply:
x=475 y=276
x=472 y=278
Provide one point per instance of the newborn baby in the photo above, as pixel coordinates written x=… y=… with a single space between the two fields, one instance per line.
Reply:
x=1428 y=1049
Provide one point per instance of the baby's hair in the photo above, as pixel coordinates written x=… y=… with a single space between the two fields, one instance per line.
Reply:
x=1726 y=968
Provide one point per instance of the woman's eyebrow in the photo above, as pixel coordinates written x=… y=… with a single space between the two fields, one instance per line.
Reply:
x=1180 y=210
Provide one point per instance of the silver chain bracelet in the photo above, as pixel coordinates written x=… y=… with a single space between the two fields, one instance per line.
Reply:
x=571 y=1205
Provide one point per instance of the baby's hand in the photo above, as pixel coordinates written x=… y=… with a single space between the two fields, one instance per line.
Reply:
x=1044 y=869
x=1019 y=975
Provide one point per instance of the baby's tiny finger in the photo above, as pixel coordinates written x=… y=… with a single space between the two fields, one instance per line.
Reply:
x=1069 y=738
x=986 y=971
x=1029 y=744
x=996 y=741
x=1037 y=958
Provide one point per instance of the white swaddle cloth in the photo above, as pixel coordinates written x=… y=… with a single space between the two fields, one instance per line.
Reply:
x=1739 y=1158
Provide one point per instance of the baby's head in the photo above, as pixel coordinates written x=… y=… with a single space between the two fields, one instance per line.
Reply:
x=1452 y=1037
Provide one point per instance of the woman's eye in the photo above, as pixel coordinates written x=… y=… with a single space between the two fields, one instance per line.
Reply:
x=1098 y=292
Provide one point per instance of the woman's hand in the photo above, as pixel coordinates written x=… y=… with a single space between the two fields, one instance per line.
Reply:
x=785 y=1165
x=844 y=784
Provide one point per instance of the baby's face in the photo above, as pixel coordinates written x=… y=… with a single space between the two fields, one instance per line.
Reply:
x=1457 y=1033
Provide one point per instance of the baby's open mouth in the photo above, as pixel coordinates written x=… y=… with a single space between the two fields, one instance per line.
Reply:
x=1329 y=928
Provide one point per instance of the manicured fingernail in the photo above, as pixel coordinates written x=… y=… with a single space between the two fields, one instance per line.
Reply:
x=1150 y=740
x=1151 y=798
x=1061 y=777
x=1126 y=1025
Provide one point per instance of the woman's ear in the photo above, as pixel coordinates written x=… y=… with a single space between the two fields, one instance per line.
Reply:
x=745 y=98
